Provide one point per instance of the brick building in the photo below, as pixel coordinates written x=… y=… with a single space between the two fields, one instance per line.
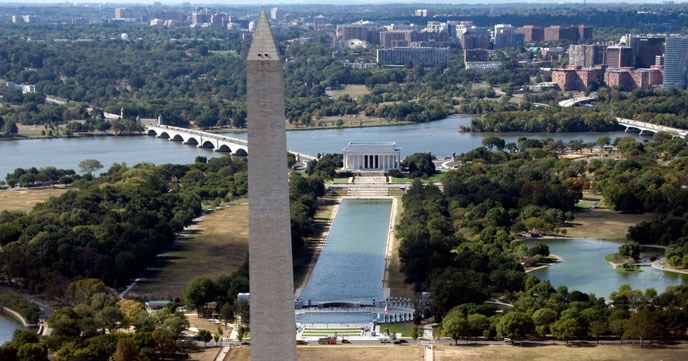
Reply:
x=475 y=38
x=627 y=79
x=556 y=33
x=576 y=78
x=365 y=32
x=532 y=33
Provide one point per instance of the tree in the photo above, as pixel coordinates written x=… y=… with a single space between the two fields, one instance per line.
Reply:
x=205 y=336
x=126 y=350
x=630 y=249
x=494 y=142
x=89 y=166
x=32 y=352
x=642 y=326
x=164 y=342
x=542 y=319
x=81 y=291
x=455 y=325
x=11 y=130
x=515 y=325
x=603 y=141
x=565 y=329
x=227 y=313
x=598 y=328
x=198 y=292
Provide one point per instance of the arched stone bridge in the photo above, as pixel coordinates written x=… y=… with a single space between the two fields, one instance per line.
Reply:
x=216 y=142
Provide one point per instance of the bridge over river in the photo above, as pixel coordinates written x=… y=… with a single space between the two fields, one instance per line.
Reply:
x=649 y=127
x=216 y=142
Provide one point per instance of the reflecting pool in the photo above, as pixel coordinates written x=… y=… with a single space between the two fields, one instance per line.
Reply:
x=351 y=264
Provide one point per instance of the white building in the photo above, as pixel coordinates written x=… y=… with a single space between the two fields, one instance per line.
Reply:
x=372 y=156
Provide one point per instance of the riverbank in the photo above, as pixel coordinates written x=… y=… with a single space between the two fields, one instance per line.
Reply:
x=661 y=264
x=17 y=317
x=557 y=259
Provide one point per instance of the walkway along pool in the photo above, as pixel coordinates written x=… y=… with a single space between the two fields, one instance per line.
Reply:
x=584 y=268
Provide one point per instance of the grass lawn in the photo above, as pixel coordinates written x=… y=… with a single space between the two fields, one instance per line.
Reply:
x=560 y=353
x=404 y=328
x=354 y=91
x=217 y=246
x=340 y=180
x=26 y=199
x=433 y=179
x=585 y=204
x=350 y=352
x=604 y=224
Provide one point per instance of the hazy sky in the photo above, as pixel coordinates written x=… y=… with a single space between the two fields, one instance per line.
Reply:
x=338 y=2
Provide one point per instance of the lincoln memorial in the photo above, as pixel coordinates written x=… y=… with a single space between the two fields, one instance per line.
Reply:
x=372 y=156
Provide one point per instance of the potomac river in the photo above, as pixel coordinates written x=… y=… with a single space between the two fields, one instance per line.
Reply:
x=441 y=137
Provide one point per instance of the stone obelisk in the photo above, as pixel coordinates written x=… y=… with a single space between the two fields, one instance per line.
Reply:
x=270 y=260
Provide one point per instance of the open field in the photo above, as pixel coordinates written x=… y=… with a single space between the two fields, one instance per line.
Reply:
x=343 y=353
x=217 y=245
x=26 y=199
x=491 y=353
x=354 y=91
x=560 y=353
x=603 y=224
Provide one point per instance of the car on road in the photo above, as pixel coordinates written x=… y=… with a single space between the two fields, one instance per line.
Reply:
x=384 y=340
x=345 y=341
x=506 y=339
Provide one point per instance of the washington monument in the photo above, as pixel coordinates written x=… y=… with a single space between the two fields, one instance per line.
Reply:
x=270 y=260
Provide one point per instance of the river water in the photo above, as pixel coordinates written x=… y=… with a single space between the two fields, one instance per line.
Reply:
x=439 y=137
x=584 y=268
x=351 y=264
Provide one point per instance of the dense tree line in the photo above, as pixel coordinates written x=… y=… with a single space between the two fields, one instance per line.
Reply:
x=110 y=229
x=541 y=311
x=95 y=325
x=662 y=107
x=44 y=176
x=457 y=243
x=547 y=120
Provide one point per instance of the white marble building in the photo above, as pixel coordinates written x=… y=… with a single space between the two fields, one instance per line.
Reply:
x=372 y=156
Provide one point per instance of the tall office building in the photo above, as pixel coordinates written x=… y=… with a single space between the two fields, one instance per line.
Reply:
x=123 y=13
x=271 y=275
x=619 y=56
x=506 y=36
x=676 y=62
x=646 y=49
x=587 y=55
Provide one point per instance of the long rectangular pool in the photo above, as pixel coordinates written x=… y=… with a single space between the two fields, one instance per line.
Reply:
x=351 y=264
